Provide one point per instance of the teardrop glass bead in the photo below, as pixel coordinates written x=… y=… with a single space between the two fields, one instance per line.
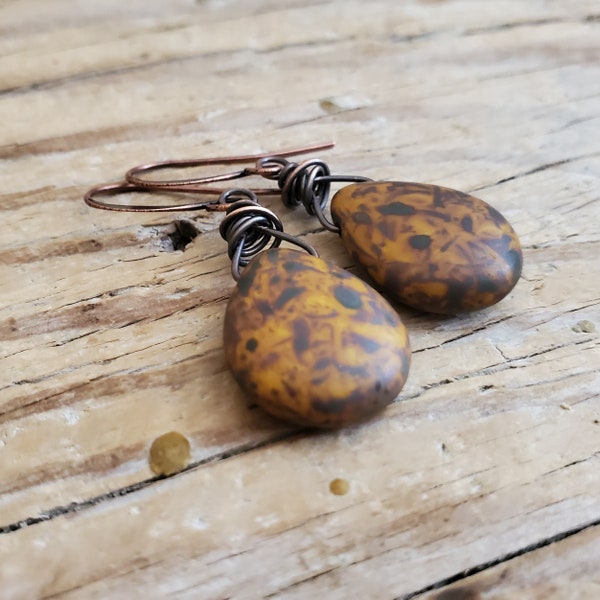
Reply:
x=433 y=248
x=312 y=343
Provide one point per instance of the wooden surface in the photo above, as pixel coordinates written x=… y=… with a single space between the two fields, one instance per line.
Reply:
x=482 y=480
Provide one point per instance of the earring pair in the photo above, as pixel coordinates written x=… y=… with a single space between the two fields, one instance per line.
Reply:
x=310 y=342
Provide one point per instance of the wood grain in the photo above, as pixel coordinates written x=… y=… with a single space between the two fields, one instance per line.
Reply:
x=480 y=481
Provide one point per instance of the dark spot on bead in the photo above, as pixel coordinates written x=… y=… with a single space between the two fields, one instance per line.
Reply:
x=467 y=223
x=390 y=319
x=359 y=371
x=437 y=197
x=454 y=297
x=367 y=344
x=247 y=279
x=318 y=380
x=287 y=295
x=322 y=363
x=251 y=344
x=347 y=297
x=264 y=308
x=514 y=259
x=487 y=285
x=231 y=334
x=329 y=407
x=378 y=386
x=437 y=215
x=301 y=336
x=356 y=399
x=341 y=274
x=362 y=218
x=270 y=359
x=242 y=377
x=364 y=189
x=388 y=229
x=374 y=316
x=292 y=392
x=291 y=266
x=405 y=187
x=420 y=242
x=446 y=246
x=275 y=279
x=272 y=254
x=500 y=245
x=398 y=209
x=496 y=216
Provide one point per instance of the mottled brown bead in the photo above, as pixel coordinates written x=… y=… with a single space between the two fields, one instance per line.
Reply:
x=312 y=343
x=430 y=247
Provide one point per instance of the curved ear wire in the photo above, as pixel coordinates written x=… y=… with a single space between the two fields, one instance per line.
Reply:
x=117 y=189
x=134 y=175
x=307 y=183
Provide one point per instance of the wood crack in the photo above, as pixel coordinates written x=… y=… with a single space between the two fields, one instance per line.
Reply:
x=18 y=409
x=572 y=464
x=136 y=68
x=465 y=335
x=518 y=24
x=458 y=576
x=538 y=169
x=470 y=571
x=75 y=507
x=498 y=367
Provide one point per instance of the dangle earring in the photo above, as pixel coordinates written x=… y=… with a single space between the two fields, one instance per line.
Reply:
x=308 y=341
x=430 y=247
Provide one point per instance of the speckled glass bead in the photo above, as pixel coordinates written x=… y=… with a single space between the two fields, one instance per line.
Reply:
x=312 y=343
x=430 y=247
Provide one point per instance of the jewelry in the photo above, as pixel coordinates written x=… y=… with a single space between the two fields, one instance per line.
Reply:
x=310 y=342
x=430 y=247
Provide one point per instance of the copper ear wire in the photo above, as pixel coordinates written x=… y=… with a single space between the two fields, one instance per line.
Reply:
x=133 y=176
x=307 y=183
x=135 y=184
x=117 y=189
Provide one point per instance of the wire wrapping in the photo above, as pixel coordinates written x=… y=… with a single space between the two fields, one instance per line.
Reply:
x=248 y=228
x=307 y=183
x=300 y=183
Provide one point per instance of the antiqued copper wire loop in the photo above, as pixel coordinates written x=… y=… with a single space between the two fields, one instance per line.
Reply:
x=248 y=228
x=198 y=184
x=117 y=189
x=307 y=183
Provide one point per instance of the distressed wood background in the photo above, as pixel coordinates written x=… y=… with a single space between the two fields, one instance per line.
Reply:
x=481 y=481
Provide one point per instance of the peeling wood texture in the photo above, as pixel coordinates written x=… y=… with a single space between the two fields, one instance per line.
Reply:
x=481 y=481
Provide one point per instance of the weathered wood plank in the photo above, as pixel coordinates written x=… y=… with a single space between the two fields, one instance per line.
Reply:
x=469 y=490
x=109 y=338
x=564 y=569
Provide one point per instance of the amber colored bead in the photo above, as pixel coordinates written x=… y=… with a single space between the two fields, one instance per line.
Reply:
x=312 y=343
x=430 y=247
x=169 y=453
